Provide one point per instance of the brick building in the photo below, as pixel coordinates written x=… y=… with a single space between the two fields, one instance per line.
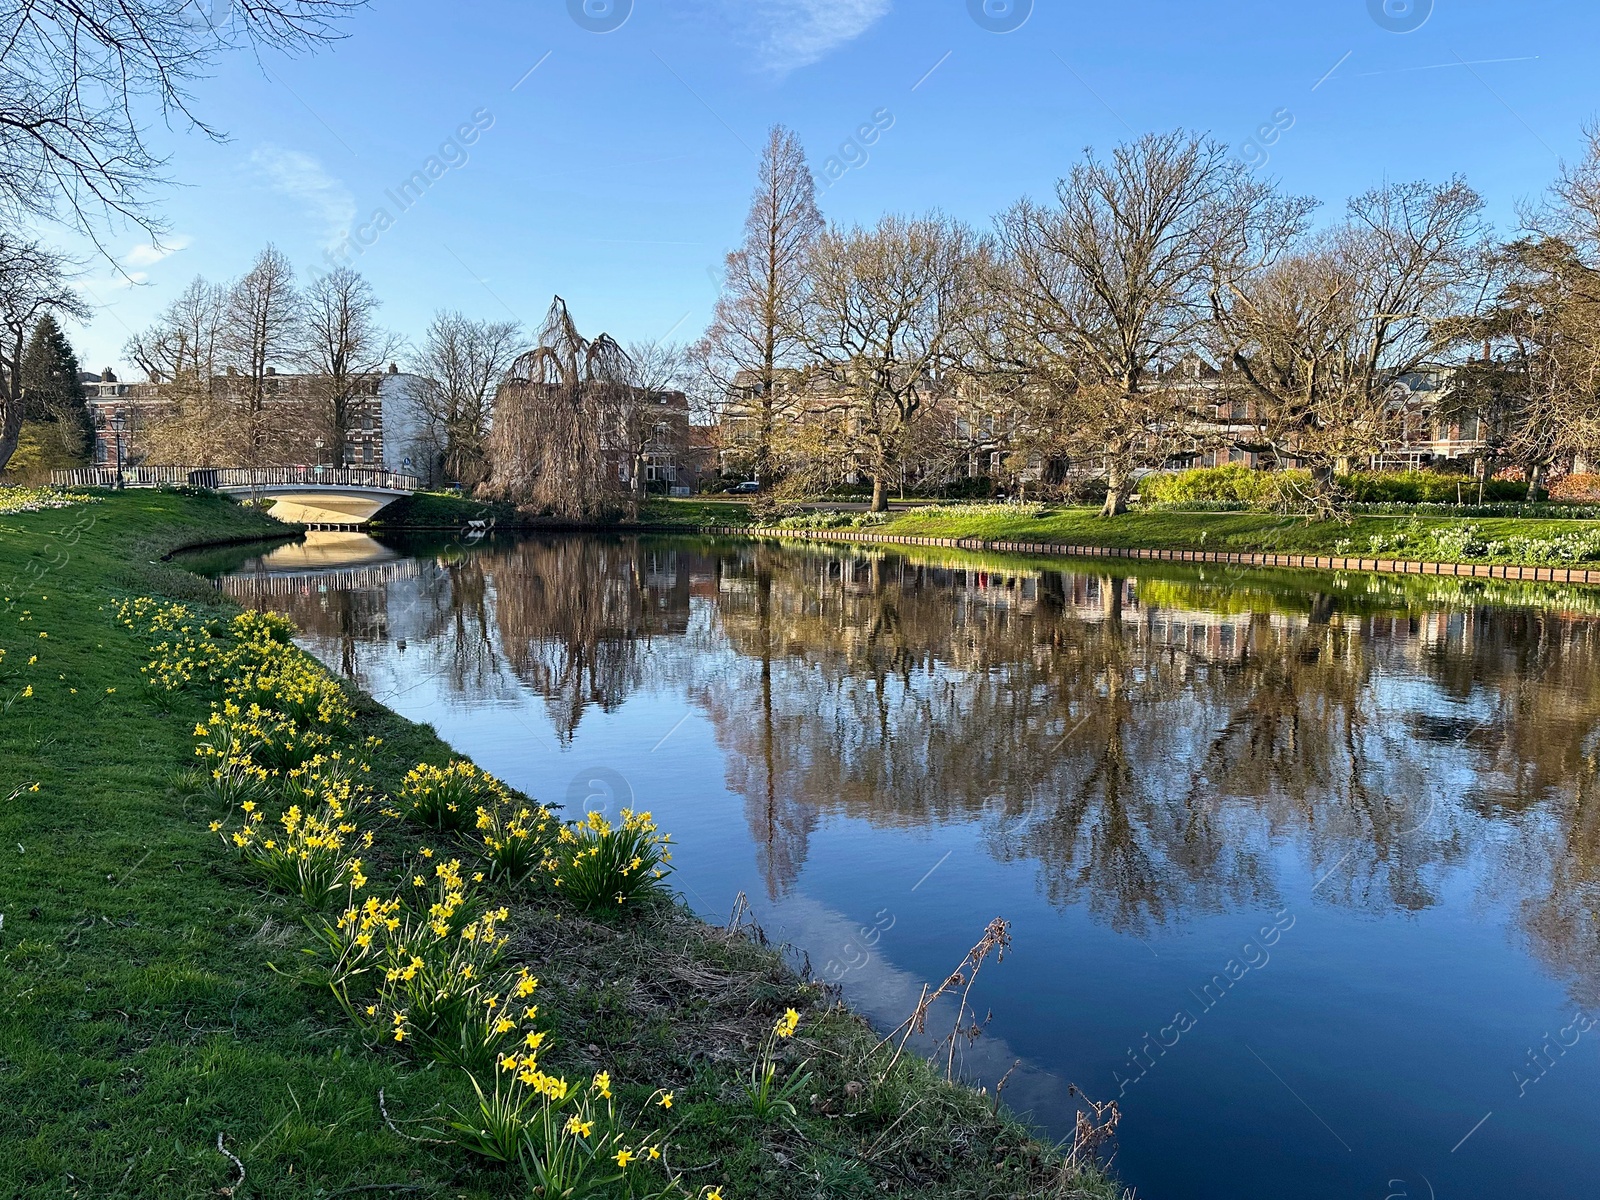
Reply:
x=381 y=420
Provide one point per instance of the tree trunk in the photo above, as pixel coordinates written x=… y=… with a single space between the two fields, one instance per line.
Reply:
x=1324 y=490
x=1119 y=486
x=880 y=494
x=11 y=400
x=10 y=428
x=1535 y=474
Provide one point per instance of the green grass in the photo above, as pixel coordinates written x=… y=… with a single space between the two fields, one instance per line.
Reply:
x=141 y=1017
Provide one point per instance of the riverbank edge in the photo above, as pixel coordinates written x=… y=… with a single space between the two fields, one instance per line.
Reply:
x=1084 y=1181
x=1131 y=541
x=1308 y=562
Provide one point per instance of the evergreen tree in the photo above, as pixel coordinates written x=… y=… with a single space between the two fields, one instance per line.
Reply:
x=51 y=389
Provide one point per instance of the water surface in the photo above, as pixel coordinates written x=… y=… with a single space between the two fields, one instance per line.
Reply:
x=1302 y=870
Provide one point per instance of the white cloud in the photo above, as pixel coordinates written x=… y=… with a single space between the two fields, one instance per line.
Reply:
x=304 y=179
x=147 y=254
x=796 y=33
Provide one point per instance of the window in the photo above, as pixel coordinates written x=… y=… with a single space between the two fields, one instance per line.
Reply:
x=366 y=452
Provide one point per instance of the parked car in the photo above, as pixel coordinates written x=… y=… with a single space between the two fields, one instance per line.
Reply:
x=746 y=488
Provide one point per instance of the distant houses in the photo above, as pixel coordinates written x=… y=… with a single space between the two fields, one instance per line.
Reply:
x=383 y=426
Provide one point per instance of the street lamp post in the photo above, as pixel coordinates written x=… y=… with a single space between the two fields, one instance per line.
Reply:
x=118 y=422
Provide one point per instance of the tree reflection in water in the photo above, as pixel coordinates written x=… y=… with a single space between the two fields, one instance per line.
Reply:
x=1152 y=744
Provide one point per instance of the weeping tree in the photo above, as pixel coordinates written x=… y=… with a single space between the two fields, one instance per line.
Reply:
x=558 y=422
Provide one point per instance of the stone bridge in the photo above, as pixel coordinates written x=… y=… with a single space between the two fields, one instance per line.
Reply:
x=316 y=496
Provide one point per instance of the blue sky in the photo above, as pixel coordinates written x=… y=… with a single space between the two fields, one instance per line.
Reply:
x=618 y=165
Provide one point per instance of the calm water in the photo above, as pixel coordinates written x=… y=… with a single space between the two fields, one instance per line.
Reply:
x=1306 y=870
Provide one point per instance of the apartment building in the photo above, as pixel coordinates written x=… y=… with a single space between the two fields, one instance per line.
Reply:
x=383 y=425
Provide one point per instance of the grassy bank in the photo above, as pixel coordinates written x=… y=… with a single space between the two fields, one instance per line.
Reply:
x=1518 y=541
x=1427 y=539
x=155 y=997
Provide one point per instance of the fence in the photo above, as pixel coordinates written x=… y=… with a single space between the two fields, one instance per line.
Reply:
x=237 y=478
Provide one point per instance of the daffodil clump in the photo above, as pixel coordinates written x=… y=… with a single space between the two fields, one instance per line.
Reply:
x=448 y=798
x=599 y=865
x=40 y=499
x=229 y=773
x=424 y=972
x=513 y=839
x=310 y=853
x=769 y=1098
x=252 y=658
x=15 y=682
x=270 y=739
x=280 y=678
x=340 y=773
x=569 y=1138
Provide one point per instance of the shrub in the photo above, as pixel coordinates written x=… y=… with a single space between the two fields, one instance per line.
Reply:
x=1579 y=488
x=972 y=487
x=1232 y=483
x=1090 y=489
x=602 y=866
x=1426 y=487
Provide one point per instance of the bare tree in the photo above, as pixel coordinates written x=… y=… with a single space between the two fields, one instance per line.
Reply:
x=185 y=341
x=1320 y=340
x=33 y=282
x=263 y=326
x=1535 y=392
x=653 y=416
x=345 y=350
x=1572 y=209
x=884 y=324
x=752 y=339
x=1110 y=285
x=557 y=430
x=80 y=74
x=182 y=351
x=462 y=363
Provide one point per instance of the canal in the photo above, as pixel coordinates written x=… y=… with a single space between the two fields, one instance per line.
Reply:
x=1303 y=871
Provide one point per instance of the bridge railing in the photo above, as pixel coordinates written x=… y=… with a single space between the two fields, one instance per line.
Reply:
x=238 y=478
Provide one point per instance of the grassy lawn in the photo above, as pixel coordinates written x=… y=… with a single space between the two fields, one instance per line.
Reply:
x=151 y=998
